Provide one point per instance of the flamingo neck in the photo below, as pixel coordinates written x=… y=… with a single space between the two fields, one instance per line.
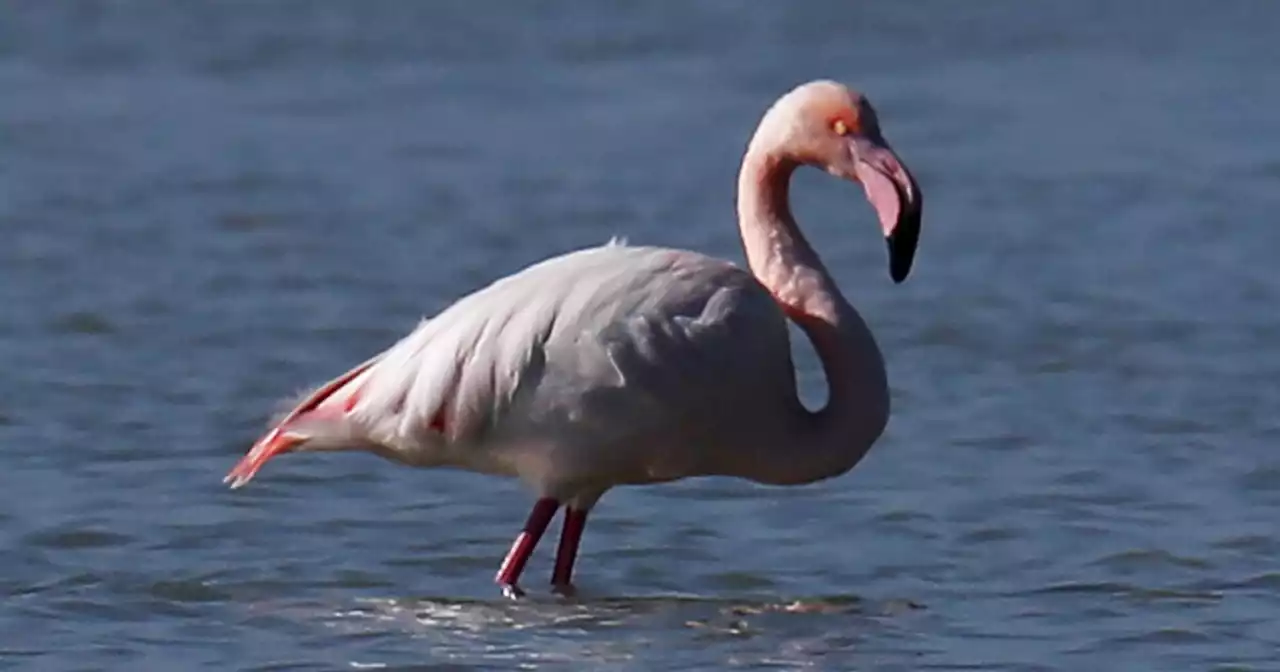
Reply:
x=833 y=439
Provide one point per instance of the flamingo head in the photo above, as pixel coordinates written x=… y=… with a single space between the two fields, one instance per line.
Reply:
x=833 y=127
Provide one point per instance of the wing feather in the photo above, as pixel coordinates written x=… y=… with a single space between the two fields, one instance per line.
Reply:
x=612 y=340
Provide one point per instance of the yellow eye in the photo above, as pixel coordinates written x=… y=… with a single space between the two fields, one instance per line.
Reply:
x=839 y=127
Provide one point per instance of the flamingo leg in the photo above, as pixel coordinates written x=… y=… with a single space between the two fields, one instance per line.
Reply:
x=543 y=511
x=575 y=521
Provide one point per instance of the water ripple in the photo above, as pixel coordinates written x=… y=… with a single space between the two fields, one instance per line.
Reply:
x=207 y=206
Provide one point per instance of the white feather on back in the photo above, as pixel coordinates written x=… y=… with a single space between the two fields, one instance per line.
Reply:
x=614 y=340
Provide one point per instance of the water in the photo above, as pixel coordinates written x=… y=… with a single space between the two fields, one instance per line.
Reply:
x=206 y=207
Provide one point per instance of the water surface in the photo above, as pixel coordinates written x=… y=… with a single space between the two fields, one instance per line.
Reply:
x=205 y=207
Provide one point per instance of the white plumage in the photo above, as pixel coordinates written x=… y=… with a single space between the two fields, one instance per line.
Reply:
x=623 y=365
x=554 y=373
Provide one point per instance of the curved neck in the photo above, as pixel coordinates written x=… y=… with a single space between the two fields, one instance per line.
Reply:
x=832 y=440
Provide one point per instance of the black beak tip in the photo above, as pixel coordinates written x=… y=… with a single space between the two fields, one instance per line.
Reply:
x=902 y=243
x=899 y=262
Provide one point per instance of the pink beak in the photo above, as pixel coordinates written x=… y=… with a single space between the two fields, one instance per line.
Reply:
x=896 y=197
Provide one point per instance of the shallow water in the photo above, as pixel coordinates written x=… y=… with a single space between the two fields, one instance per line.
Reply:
x=206 y=207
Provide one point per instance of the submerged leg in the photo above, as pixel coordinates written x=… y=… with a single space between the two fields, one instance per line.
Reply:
x=543 y=511
x=575 y=520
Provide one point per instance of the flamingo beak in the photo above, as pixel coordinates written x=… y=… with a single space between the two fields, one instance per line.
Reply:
x=894 y=194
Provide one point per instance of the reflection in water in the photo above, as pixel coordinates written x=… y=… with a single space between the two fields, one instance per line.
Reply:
x=793 y=632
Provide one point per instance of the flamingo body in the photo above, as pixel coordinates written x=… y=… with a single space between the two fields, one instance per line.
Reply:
x=620 y=365
x=606 y=366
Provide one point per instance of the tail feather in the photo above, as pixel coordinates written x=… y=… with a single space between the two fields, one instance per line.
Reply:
x=296 y=426
x=274 y=443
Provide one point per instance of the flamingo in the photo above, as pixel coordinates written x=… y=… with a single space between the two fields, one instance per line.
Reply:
x=627 y=365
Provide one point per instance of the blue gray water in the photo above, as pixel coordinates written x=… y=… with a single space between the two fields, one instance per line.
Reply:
x=205 y=207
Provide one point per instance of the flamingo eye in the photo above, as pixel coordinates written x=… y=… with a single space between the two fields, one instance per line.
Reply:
x=840 y=127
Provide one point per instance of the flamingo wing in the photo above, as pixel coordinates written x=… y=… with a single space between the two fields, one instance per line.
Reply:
x=587 y=348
